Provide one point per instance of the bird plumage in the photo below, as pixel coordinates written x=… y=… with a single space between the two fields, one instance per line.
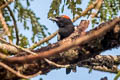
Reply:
x=65 y=25
x=66 y=28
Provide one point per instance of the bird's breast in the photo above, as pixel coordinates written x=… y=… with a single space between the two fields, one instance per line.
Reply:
x=65 y=31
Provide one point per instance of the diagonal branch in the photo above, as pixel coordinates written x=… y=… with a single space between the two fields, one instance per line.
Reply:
x=67 y=45
x=17 y=73
x=55 y=64
x=98 y=6
x=15 y=25
x=91 y=6
x=44 y=40
x=21 y=48
x=107 y=40
x=6 y=4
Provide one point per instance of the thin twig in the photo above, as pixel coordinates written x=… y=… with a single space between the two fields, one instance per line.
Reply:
x=99 y=3
x=6 y=4
x=17 y=73
x=15 y=25
x=44 y=40
x=5 y=27
x=91 y=6
x=21 y=48
x=55 y=64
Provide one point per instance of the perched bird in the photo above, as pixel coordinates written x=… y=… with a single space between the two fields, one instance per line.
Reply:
x=66 y=28
x=65 y=25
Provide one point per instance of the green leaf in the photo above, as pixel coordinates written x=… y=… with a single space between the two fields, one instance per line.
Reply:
x=117 y=76
x=28 y=3
x=62 y=9
x=90 y=70
x=79 y=9
x=78 y=1
x=7 y=18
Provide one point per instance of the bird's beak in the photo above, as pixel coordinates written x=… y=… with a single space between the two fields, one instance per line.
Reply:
x=53 y=19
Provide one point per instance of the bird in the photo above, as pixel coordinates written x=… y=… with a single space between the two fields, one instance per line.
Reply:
x=66 y=28
x=65 y=25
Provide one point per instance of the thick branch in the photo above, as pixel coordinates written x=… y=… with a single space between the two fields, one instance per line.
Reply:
x=65 y=45
x=4 y=25
x=8 y=49
x=17 y=73
x=109 y=37
x=20 y=48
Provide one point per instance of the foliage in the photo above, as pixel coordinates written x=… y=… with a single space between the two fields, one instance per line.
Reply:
x=71 y=4
x=109 y=9
x=24 y=15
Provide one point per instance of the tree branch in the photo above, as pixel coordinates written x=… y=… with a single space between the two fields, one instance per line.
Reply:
x=8 y=49
x=15 y=25
x=5 y=27
x=103 y=68
x=91 y=6
x=65 y=44
x=17 y=73
x=98 y=6
x=6 y=4
x=44 y=40
x=21 y=48
x=55 y=64
x=106 y=63
x=108 y=38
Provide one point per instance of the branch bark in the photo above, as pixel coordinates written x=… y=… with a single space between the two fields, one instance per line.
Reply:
x=17 y=73
x=65 y=45
x=6 y=4
x=102 y=38
x=5 y=27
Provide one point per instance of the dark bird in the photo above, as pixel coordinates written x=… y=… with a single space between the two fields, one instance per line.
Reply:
x=65 y=25
x=66 y=28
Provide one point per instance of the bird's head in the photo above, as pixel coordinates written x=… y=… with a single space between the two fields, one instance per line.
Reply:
x=62 y=21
